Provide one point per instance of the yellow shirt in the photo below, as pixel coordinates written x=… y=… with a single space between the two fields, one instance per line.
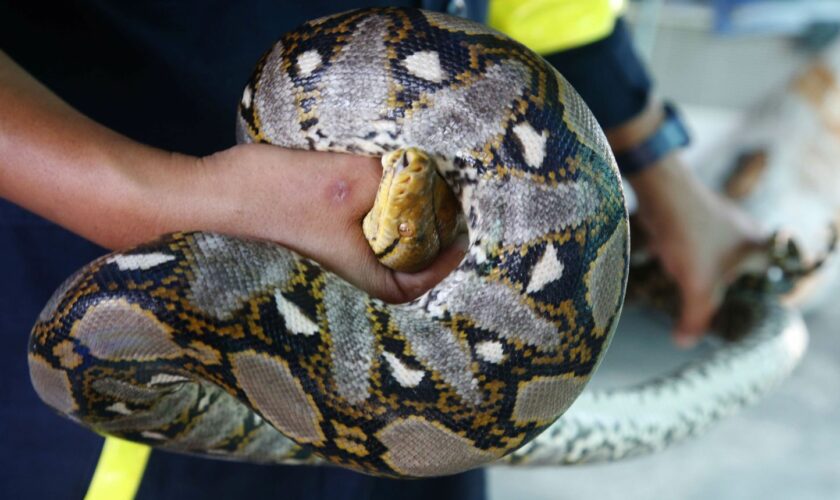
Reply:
x=547 y=26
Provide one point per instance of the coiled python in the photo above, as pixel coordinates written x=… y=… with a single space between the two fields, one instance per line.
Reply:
x=204 y=343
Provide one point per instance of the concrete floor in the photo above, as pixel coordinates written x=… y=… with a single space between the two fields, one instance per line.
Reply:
x=787 y=446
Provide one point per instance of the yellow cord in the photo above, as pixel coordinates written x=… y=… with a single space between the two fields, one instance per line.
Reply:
x=119 y=470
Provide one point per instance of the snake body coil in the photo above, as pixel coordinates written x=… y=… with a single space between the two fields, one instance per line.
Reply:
x=209 y=344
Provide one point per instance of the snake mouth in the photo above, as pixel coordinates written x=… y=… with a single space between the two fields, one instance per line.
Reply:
x=388 y=249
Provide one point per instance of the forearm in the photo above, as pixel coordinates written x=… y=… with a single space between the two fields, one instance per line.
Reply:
x=63 y=166
x=117 y=192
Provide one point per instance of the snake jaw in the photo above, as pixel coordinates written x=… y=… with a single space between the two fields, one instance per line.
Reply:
x=403 y=227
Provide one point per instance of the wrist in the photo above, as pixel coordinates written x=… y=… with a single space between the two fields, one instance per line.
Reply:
x=656 y=179
x=142 y=193
x=661 y=185
x=634 y=131
x=648 y=139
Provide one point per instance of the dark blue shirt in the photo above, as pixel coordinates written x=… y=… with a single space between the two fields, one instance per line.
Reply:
x=168 y=74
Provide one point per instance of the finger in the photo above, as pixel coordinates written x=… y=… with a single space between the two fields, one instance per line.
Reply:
x=416 y=284
x=360 y=267
x=697 y=308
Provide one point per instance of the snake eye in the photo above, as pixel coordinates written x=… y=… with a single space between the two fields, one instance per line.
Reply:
x=405 y=229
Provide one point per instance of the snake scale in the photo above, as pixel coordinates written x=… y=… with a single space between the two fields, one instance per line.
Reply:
x=240 y=349
x=147 y=344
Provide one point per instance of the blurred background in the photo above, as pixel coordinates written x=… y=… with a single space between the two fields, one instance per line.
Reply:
x=742 y=72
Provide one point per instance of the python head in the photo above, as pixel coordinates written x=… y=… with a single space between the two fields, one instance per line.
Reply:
x=415 y=214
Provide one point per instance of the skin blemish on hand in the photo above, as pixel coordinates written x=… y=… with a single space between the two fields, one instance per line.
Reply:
x=339 y=191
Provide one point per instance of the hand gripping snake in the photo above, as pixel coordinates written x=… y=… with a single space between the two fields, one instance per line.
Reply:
x=204 y=343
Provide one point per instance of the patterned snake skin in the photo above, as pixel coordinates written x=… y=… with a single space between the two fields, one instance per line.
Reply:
x=207 y=344
x=612 y=424
x=203 y=343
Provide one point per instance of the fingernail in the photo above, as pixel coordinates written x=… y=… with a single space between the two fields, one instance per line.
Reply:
x=685 y=340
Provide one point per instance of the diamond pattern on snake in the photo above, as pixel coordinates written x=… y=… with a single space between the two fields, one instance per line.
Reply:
x=208 y=344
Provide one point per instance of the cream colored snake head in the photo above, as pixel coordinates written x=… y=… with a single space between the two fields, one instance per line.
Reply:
x=415 y=214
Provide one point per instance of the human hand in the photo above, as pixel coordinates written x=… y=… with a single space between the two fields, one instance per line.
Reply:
x=310 y=202
x=118 y=193
x=699 y=238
